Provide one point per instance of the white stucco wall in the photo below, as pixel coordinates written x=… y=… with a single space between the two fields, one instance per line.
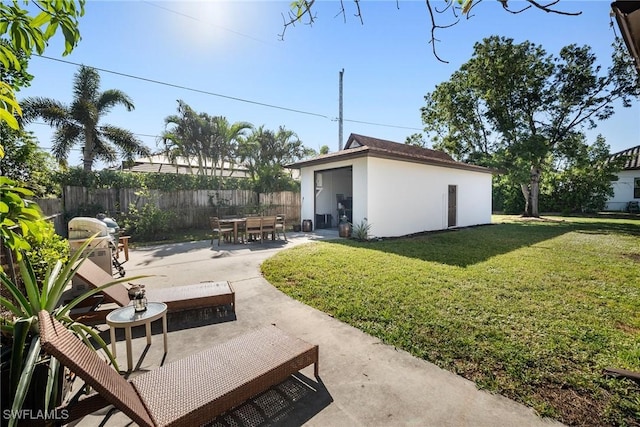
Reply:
x=623 y=190
x=399 y=198
x=407 y=198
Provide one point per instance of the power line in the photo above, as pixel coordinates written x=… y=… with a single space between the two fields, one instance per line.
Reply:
x=131 y=76
x=136 y=134
x=233 y=98
x=381 y=124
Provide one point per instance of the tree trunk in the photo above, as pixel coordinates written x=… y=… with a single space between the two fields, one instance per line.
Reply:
x=531 y=193
x=534 y=187
x=87 y=150
x=527 y=199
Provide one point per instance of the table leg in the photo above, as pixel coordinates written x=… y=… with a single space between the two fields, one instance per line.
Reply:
x=148 y=330
x=127 y=335
x=164 y=331
x=112 y=333
x=235 y=232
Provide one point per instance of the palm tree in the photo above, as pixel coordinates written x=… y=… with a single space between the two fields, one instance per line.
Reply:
x=265 y=153
x=210 y=140
x=227 y=136
x=182 y=136
x=77 y=124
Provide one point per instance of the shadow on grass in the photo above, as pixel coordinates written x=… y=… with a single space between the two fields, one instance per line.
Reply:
x=467 y=246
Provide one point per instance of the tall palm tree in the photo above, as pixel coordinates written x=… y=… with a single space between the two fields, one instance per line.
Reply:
x=77 y=124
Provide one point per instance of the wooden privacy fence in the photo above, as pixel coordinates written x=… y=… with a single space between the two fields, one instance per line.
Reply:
x=191 y=207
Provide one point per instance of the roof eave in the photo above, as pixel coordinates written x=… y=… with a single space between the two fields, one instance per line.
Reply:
x=356 y=153
x=627 y=15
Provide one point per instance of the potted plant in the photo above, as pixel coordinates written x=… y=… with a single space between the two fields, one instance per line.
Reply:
x=344 y=227
x=20 y=331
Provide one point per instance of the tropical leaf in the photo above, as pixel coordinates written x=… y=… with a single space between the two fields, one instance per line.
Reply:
x=25 y=378
x=51 y=390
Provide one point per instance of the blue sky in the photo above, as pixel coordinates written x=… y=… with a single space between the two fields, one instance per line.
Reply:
x=234 y=49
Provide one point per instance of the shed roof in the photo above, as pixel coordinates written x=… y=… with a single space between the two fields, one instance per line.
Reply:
x=363 y=146
x=632 y=155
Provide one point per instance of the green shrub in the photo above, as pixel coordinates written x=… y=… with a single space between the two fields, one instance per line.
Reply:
x=154 y=181
x=147 y=222
x=47 y=250
x=361 y=230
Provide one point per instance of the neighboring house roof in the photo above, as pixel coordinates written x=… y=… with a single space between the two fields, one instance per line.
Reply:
x=161 y=163
x=627 y=15
x=632 y=155
x=363 y=146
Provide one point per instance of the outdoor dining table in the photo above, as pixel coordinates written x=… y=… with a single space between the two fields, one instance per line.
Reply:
x=235 y=222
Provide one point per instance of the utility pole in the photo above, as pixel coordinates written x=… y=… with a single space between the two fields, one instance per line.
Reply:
x=340 y=118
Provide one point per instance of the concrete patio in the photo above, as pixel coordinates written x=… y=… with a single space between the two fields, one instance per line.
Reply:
x=362 y=381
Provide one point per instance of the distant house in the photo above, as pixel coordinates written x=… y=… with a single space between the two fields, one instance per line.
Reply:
x=162 y=164
x=398 y=189
x=627 y=188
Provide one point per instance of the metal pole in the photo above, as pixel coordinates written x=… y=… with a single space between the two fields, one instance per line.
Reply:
x=340 y=118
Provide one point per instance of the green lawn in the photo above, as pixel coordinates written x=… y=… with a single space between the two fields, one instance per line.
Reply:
x=533 y=310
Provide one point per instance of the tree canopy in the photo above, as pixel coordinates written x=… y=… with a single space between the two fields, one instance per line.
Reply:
x=214 y=143
x=518 y=109
x=78 y=122
x=209 y=140
x=265 y=153
x=22 y=34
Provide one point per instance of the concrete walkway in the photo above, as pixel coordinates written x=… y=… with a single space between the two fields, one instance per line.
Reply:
x=362 y=381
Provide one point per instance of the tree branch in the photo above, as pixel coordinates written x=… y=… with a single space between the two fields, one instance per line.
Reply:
x=303 y=8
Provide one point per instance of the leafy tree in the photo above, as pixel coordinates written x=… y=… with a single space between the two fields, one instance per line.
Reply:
x=517 y=109
x=24 y=161
x=78 y=123
x=581 y=180
x=324 y=149
x=20 y=218
x=265 y=153
x=22 y=32
x=303 y=11
x=416 y=139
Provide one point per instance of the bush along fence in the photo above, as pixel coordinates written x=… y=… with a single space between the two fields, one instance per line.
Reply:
x=153 y=211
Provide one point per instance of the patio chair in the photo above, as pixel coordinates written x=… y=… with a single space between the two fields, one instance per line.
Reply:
x=178 y=298
x=269 y=227
x=222 y=231
x=280 y=226
x=186 y=392
x=253 y=227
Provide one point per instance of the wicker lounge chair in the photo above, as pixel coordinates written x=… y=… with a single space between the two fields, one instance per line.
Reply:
x=187 y=392
x=177 y=298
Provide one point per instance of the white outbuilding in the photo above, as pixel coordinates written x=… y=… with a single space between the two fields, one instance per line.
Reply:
x=626 y=189
x=397 y=189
